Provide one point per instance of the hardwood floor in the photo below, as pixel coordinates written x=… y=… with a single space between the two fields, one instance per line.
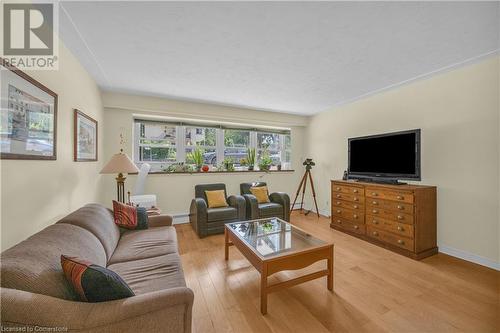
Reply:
x=375 y=290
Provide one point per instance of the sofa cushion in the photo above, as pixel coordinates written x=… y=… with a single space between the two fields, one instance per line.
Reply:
x=130 y=217
x=152 y=274
x=94 y=283
x=98 y=220
x=270 y=209
x=222 y=214
x=34 y=264
x=142 y=244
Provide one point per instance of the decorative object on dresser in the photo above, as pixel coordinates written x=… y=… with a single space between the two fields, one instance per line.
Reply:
x=85 y=138
x=401 y=218
x=308 y=163
x=28 y=116
x=120 y=163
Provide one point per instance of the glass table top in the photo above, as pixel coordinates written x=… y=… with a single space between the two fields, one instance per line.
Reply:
x=273 y=237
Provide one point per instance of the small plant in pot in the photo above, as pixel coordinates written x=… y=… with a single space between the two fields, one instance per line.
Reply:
x=228 y=164
x=265 y=161
x=250 y=158
x=196 y=157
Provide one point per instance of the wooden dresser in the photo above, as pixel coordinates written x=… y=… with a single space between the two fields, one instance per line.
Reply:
x=401 y=218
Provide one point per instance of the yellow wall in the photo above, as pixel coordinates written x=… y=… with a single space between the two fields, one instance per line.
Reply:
x=34 y=194
x=458 y=113
x=175 y=191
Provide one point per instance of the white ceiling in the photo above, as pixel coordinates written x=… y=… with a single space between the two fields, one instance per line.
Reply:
x=295 y=57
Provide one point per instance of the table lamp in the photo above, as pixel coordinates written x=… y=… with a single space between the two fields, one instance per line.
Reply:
x=120 y=163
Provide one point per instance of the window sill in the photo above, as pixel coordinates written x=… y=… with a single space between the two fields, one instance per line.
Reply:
x=215 y=172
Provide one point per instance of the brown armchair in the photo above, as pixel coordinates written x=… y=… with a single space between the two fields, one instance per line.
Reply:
x=208 y=221
x=279 y=205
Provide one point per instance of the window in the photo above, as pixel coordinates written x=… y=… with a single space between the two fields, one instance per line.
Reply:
x=204 y=139
x=236 y=143
x=156 y=143
x=164 y=145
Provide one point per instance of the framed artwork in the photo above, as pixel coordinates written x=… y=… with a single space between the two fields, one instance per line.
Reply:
x=85 y=137
x=28 y=116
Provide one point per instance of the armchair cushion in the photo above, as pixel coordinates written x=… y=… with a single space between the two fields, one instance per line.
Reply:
x=221 y=214
x=216 y=198
x=270 y=209
x=260 y=193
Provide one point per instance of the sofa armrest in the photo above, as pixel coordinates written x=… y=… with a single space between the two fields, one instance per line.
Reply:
x=283 y=199
x=238 y=202
x=252 y=206
x=166 y=310
x=160 y=221
x=198 y=216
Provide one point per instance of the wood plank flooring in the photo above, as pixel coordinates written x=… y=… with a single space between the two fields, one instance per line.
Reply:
x=375 y=290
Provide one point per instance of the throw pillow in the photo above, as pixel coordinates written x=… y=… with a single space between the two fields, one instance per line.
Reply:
x=94 y=283
x=260 y=193
x=216 y=199
x=130 y=217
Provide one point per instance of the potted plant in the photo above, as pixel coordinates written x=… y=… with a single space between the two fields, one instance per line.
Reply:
x=196 y=157
x=228 y=164
x=265 y=161
x=250 y=158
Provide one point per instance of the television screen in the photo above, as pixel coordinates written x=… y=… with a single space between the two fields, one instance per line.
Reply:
x=392 y=155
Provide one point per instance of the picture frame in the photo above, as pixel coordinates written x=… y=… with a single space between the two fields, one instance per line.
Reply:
x=85 y=137
x=28 y=117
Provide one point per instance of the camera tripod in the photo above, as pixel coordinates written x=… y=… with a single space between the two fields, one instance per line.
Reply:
x=303 y=184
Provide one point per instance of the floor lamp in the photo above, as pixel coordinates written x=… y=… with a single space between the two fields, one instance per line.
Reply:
x=120 y=163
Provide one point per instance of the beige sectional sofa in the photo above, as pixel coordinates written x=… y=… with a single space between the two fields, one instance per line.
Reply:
x=34 y=291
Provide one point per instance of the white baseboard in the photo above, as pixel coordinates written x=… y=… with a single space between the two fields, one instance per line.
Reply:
x=469 y=257
x=180 y=218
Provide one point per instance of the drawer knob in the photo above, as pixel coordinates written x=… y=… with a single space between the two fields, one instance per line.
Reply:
x=339 y=222
x=356 y=227
x=374 y=194
x=355 y=206
x=400 y=217
x=400 y=228
x=338 y=195
x=374 y=211
x=375 y=222
x=400 y=241
x=400 y=207
x=355 y=191
x=375 y=203
x=356 y=199
x=400 y=197
x=339 y=211
x=375 y=233
x=338 y=188
x=355 y=216
x=338 y=203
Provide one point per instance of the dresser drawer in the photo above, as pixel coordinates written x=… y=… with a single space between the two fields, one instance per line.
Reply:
x=377 y=193
x=387 y=237
x=348 y=204
x=402 y=229
x=351 y=215
x=347 y=189
x=358 y=228
x=348 y=197
x=390 y=205
x=389 y=214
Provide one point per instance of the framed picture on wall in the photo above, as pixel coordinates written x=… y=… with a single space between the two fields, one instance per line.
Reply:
x=28 y=116
x=85 y=137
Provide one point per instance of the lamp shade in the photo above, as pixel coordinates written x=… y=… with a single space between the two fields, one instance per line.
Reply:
x=120 y=163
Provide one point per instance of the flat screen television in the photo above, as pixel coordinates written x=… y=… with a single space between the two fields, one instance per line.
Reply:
x=385 y=157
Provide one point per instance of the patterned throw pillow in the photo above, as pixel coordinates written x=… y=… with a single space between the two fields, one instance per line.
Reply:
x=130 y=217
x=260 y=193
x=216 y=198
x=94 y=283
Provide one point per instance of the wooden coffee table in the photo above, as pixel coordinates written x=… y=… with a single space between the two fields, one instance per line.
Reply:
x=273 y=245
